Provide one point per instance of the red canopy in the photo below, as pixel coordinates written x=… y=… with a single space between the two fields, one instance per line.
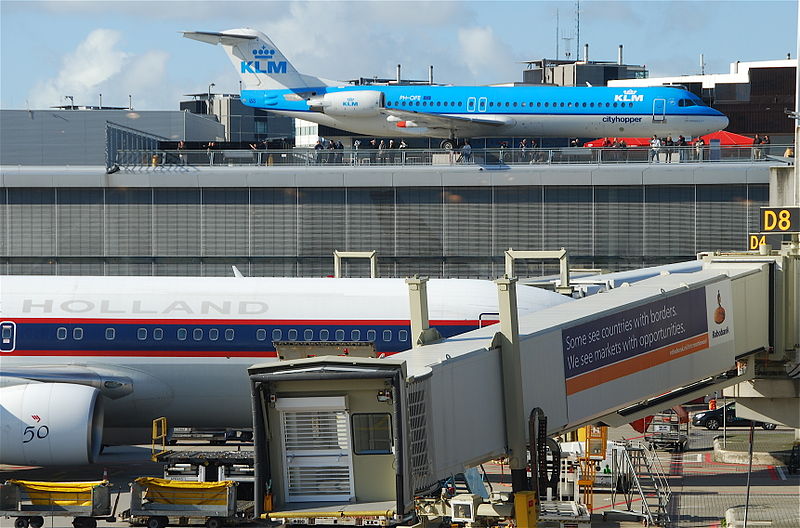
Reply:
x=728 y=138
x=724 y=137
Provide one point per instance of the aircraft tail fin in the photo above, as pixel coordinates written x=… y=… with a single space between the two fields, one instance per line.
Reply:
x=260 y=64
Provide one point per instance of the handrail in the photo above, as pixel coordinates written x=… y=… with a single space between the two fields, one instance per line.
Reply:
x=497 y=157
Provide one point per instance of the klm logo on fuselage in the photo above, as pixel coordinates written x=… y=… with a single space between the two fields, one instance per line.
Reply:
x=629 y=96
x=271 y=67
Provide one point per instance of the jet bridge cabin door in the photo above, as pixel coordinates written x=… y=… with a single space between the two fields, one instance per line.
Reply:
x=315 y=432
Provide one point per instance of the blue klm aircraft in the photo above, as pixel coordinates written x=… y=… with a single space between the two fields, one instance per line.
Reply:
x=271 y=82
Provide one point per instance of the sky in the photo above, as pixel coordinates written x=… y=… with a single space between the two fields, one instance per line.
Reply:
x=119 y=48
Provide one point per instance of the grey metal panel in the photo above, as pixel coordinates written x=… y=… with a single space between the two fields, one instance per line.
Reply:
x=568 y=219
x=617 y=175
x=371 y=220
x=321 y=221
x=274 y=268
x=367 y=178
x=272 y=178
x=225 y=217
x=472 y=177
x=273 y=222
x=567 y=176
x=668 y=174
x=325 y=178
x=758 y=173
x=79 y=222
x=178 y=268
x=176 y=226
x=90 y=267
x=420 y=221
x=721 y=217
x=515 y=178
x=129 y=222
x=518 y=219
x=669 y=220
x=3 y=225
x=432 y=177
x=233 y=180
x=31 y=222
x=712 y=173
x=467 y=219
x=619 y=221
x=25 y=266
x=433 y=268
x=757 y=197
x=129 y=268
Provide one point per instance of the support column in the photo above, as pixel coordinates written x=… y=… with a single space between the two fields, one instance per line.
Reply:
x=508 y=341
x=421 y=332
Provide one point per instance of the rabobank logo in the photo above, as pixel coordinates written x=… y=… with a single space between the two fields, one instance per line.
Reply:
x=263 y=62
x=629 y=96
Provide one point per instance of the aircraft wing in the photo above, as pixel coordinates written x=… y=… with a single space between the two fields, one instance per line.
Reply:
x=446 y=122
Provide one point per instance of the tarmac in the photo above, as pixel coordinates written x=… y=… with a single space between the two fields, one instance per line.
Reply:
x=703 y=489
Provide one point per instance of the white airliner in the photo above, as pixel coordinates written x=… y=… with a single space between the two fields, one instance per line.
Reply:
x=271 y=82
x=84 y=360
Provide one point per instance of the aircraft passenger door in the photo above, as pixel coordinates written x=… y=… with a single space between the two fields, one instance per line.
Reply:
x=482 y=104
x=471 y=104
x=317 y=464
x=8 y=334
x=659 y=110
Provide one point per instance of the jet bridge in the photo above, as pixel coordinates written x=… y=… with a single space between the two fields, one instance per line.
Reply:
x=347 y=437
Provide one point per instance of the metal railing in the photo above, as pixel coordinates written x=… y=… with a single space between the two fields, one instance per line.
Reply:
x=134 y=159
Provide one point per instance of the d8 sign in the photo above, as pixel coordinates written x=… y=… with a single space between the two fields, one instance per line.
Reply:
x=780 y=219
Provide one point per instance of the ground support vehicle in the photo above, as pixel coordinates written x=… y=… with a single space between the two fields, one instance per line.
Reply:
x=155 y=501
x=666 y=431
x=31 y=501
x=725 y=416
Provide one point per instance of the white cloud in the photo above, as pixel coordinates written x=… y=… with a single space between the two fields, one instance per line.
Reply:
x=94 y=61
x=481 y=51
x=98 y=66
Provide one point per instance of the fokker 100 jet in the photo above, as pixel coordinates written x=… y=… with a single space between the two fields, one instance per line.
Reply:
x=269 y=81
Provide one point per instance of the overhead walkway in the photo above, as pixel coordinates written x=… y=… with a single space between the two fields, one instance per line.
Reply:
x=396 y=427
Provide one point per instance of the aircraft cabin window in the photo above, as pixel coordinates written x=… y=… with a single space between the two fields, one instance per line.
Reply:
x=110 y=334
x=515 y=104
x=459 y=103
x=424 y=103
x=181 y=334
x=584 y=105
x=371 y=335
x=615 y=105
x=277 y=334
x=539 y=104
x=77 y=334
x=402 y=335
x=491 y=103
x=261 y=334
x=507 y=103
x=438 y=103
x=591 y=104
x=417 y=103
x=525 y=104
x=569 y=105
x=197 y=334
x=141 y=334
x=445 y=103
x=292 y=336
x=158 y=334
x=308 y=334
x=387 y=335
x=229 y=334
x=562 y=104
x=546 y=105
x=61 y=333
x=608 y=104
x=355 y=335
x=340 y=335
x=213 y=334
x=324 y=334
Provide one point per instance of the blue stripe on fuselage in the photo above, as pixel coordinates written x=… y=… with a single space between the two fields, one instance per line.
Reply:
x=521 y=100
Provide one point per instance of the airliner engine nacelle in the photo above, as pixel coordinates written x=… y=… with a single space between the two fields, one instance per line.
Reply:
x=50 y=424
x=367 y=103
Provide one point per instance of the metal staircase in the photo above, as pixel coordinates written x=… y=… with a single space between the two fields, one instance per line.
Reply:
x=639 y=478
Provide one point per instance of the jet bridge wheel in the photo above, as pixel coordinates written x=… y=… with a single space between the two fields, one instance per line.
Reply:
x=21 y=522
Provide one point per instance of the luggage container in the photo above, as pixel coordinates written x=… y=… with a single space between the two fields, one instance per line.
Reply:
x=31 y=501
x=155 y=500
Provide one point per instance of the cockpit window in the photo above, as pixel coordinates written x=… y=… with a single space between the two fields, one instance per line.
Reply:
x=686 y=102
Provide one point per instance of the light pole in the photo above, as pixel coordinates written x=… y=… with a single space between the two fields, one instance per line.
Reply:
x=208 y=103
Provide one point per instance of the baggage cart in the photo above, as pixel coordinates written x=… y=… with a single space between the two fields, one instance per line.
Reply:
x=666 y=431
x=154 y=501
x=31 y=501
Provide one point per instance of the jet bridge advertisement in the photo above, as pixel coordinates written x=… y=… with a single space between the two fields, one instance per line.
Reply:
x=640 y=338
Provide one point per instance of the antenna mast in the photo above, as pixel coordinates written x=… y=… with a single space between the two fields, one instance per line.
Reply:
x=578 y=24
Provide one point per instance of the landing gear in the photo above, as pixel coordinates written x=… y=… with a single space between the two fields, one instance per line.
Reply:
x=448 y=144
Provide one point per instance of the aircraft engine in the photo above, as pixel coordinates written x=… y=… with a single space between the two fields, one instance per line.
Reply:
x=367 y=103
x=50 y=424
